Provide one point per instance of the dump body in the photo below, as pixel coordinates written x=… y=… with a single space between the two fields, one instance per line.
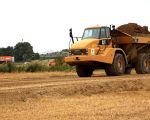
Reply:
x=99 y=46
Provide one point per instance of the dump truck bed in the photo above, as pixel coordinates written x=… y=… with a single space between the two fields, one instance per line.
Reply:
x=124 y=38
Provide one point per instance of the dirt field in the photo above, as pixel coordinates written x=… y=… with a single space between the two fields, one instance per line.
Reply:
x=64 y=96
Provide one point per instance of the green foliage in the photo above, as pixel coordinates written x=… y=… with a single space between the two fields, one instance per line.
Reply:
x=23 y=51
x=21 y=68
x=59 y=61
x=35 y=67
x=8 y=67
x=3 y=68
x=61 y=68
x=11 y=67
x=9 y=51
x=35 y=56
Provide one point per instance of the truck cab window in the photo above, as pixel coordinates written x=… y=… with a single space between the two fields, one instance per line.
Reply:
x=91 y=33
x=104 y=42
x=108 y=33
x=103 y=33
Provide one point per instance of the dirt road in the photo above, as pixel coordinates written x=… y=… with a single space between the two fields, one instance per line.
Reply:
x=64 y=96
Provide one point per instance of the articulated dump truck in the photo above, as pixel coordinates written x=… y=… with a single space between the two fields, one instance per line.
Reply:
x=107 y=48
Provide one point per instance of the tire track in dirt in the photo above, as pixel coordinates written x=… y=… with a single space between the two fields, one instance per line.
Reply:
x=57 y=81
x=68 y=86
x=117 y=97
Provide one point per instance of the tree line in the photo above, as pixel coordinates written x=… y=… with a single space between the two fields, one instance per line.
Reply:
x=22 y=51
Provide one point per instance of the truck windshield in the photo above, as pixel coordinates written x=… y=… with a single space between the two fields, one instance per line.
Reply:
x=91 y=33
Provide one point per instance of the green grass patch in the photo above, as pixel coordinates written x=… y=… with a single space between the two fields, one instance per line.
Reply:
x=33 y=67
x=61 y=68
x=8 y=67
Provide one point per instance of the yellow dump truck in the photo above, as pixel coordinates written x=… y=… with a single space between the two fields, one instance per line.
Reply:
x=107 y=48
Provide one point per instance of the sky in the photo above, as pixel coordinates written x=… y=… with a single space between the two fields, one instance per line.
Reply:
x=45 y=24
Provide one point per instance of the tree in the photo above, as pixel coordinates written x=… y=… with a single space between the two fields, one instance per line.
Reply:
x=9 y=51
x=35 y=56
x=23 y=51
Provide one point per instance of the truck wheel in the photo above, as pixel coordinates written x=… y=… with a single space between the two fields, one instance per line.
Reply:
x=143 y=64
x=84 y=71
x=117 y=67
x=128 y=70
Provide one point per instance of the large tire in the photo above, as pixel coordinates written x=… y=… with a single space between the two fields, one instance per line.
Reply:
x=143 y=64
x=84 y=71
x=117 y=67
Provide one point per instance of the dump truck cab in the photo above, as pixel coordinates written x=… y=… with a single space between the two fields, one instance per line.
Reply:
x=95 y=41
x=103 y=47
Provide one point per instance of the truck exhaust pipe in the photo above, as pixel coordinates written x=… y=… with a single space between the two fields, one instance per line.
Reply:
x=71 y=35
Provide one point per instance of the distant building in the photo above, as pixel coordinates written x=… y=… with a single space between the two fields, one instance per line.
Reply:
x=5 y=59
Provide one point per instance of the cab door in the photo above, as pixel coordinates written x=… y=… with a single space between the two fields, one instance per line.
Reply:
x=105 y=37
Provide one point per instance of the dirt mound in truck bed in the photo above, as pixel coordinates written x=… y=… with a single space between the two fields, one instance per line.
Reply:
x=133 y=29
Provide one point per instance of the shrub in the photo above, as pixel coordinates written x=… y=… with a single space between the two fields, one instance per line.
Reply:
x=7 y=67
x=35 y=67
x=21 y=68
x=11 y=67
x=61 y=68
x=59 y=61
x=3 y=68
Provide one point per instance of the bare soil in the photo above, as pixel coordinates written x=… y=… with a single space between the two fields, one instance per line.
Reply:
x=134 y=29
x=65 y=96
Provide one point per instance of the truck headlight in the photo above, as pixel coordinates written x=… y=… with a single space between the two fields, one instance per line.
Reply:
x=78 y=52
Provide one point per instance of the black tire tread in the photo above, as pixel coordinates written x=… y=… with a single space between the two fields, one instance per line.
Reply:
x=84 y=71
x=111 y=69
x=139 y=67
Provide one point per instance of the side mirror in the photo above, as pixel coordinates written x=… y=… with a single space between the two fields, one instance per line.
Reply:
x=112 y=30
x=112 y=27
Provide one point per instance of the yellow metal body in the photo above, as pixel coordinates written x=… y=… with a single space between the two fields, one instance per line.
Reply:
x=103 y=53
x=105 y=57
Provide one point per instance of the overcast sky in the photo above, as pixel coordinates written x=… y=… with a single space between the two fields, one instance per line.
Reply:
x=45 y=23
